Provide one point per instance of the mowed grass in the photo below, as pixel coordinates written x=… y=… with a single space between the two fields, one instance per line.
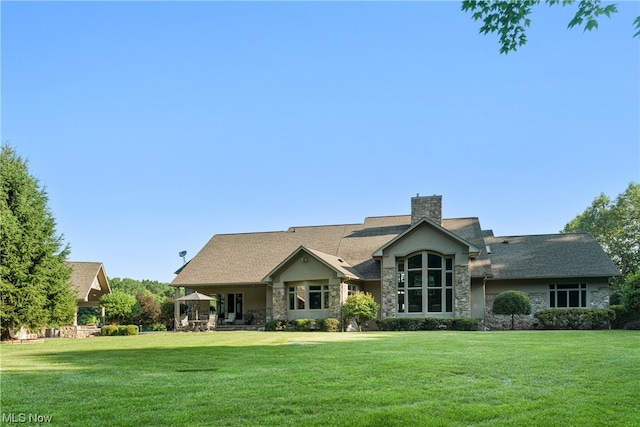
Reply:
x=439 y=378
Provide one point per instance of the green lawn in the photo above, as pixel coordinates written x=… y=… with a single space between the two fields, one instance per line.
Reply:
x=439 y=378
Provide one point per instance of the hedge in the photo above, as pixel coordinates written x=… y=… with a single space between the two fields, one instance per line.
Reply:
x=303 y=325
x=426 y=324
x=623 y=317
x=576 y=318
x=111 y=330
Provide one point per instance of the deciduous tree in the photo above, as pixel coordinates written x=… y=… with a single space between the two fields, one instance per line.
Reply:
x=512 y=303
x=34 y=276
x=510 y=19
x=360 y=307
x=615 y=224
x=118 y=305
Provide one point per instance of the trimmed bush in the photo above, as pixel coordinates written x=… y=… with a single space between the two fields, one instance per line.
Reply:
x=112 y=330
x=305 y=325
x=275 y=325
x=329 y=325
x=127 y=330
x=109 y=330
x=461 y=324
x=426 y=324
x=575 y=318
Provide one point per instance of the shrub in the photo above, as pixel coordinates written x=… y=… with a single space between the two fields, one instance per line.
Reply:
x=623 y=316
x=331 y=325
x=462 y=324
x=426 y=324
x=575 y=318
x=633 y=325
x=360 y=307
x=511 y=303
x=127 y=330
x=109 y=330
x=304 y=325
x=87 y=319
x=328 y=325
x=275 y=325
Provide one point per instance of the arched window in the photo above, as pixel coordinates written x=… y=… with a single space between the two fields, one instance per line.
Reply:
x=425 y=283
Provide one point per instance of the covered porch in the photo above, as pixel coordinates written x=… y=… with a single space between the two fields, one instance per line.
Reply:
x=230 y=305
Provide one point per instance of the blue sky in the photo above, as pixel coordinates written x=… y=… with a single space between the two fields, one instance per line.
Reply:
x=155 y=125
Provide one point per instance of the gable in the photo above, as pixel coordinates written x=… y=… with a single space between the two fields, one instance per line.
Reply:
x=309 y=264
x=89 y=280
x=426 y=235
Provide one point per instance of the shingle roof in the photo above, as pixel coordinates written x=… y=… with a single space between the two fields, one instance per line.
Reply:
x=83 y=275
x=249 y=257
x=549 y=256
x=334 y=262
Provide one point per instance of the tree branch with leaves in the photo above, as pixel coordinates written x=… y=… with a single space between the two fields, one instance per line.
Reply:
x=511 y=19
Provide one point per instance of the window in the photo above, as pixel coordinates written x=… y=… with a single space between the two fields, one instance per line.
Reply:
x=425 y=280
x=312 y=297
x=565 y=296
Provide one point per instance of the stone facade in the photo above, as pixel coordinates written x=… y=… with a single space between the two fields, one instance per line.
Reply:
x=279 y=302
x=600 y=297
x=78 y=331
x=426 y=207
x=462 y=291
x=335 y=299
x=389 y=293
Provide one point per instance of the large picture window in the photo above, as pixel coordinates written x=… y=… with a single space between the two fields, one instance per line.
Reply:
x=565 y=296
x=425 y=283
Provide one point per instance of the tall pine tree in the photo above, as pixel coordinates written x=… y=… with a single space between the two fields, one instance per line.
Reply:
x=35 y=289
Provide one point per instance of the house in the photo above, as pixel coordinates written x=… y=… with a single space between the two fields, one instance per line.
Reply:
x=417 y=265
x=90 y=282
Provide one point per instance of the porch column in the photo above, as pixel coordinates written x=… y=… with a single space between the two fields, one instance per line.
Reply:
x=176 y=309
x=75 y=316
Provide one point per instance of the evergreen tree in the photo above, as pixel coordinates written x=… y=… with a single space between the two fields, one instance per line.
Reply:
x=34 y=276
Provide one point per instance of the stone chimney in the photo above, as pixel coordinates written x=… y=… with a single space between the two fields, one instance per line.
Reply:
x=426 y=207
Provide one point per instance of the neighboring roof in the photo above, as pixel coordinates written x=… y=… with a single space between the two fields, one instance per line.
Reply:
x=89 y=280
x=247 y=258
x=549 y=256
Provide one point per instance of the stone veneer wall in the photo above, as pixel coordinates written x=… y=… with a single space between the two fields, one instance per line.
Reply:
x=389 y=293
x=78 y=331
x=426 y=207
x=279 y=302
x=600 y=297
x=335 y=300
x=462 y=291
